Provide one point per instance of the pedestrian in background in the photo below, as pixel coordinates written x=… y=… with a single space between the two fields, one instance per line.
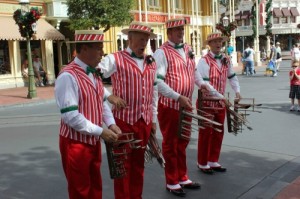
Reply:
x=278 y=56
x=215 y=68
x=133 y=80
x=80 y=96
x=249 y=59
x=295 y=85
x=295 y=53
x=273 y=58
x=229 y=49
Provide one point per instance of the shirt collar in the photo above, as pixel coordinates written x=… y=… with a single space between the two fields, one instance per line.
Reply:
x=80 y=63
x=173 y=44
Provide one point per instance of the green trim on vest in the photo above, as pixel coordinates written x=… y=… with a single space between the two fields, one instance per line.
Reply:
x=231 y=76
x=155 y=83
x=68 y=109
x=206 y=78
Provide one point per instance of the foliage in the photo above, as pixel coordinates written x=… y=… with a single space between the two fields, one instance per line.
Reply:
x=268 y=19
x=25 y=21
x=226 y=31
x=88 y=14
x=253 y=13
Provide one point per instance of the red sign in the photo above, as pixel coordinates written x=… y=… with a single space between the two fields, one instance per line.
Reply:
x=158 y=18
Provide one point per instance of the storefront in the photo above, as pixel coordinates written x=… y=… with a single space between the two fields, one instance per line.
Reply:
x=13 y=48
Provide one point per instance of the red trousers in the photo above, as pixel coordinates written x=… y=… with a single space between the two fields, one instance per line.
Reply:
x=81 y=164
x=131 y=186
x=210 y=141
x=173 y=147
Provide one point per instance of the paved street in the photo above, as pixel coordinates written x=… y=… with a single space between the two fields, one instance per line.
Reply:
x=260 y=163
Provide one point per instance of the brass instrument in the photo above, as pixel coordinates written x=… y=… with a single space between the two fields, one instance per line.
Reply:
x=187 y=123
x=117 y=153
x=154 y=151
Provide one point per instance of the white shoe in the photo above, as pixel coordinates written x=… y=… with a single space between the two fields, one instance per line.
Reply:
x=298 y=108
x=41 y=84
x=275 y=75
x=293 y=108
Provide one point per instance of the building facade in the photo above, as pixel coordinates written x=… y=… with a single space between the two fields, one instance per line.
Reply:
x=13 y=47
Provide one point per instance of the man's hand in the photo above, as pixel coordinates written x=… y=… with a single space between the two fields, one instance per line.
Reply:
x=117 y=102
x=115 y=129
x=185 y=102
x=109 y=136
x=153 y=128
x=204 y=87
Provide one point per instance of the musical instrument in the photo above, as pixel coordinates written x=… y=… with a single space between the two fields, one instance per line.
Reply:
x=117 y=153
x=154 y=151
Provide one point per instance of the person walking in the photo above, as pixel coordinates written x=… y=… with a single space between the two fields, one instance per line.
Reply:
x=249 y=59
x=215 y=68
x=80 y=96
x=175 y=80
x=295 y=53
x=133 y=80
x=295 y=85
x=273 y=59
x=278 y=56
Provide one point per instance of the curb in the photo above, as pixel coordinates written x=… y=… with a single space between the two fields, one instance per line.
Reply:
x=27 y=104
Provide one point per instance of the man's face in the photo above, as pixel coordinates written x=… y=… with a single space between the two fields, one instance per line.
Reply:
x=93 y=53
x=176 y=34
x=138 y=42
x=216 y=45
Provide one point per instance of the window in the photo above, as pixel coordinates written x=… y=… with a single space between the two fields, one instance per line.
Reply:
x=247 y=22
x=153 y=3
x=177 y=4
x=293 y=19
x=284 y=19
x=239 y=22
x=275 y=20
x=4 y=58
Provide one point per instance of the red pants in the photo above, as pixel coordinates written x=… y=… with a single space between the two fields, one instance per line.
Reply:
x=210 y=141
x=173 y=147
x=131 y=186
x=81 y=164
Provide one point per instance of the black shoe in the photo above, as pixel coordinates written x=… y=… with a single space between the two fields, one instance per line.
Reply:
x=177 y=192
x=192 y=185
x=207 y=171
x=219 y=169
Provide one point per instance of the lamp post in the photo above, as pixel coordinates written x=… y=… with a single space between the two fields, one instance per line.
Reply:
x=26 y=20
x=225 y=22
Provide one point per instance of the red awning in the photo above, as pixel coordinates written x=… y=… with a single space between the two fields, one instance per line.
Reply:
x=286 y=12
x=246 y=14
x=277 y=12
x=294 y=12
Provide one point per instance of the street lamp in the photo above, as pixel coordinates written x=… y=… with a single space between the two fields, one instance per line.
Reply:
x=225 y=21
x=26 y=20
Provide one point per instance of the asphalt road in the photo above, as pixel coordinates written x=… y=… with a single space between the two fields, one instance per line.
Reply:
x=259 y=162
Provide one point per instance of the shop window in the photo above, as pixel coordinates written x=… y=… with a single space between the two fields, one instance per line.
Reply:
x=293 y=19
x=5 y=67
x=284 y=19
x=35 y=49
x=247 y=22
x=276 y=20
x=239 y=22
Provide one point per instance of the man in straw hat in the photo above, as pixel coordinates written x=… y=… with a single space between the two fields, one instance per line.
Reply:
x=80 y=97
x=215 y=68
x=175 y=81
x=133 y=79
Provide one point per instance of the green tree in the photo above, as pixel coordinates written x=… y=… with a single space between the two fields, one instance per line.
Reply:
x=87 y=14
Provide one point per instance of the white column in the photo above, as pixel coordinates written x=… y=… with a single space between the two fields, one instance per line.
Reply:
x=146 y=11
x=173 y=8
x=213 y=15
x=169 y=9
x=197 y=27
x=193 y=25
x=140 y=11
x=256 y=40
x=233 y=43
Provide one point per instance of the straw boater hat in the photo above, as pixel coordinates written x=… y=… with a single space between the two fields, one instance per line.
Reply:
x=214 y=36
x=139 y=27
x=172 y=23
x=88 y=36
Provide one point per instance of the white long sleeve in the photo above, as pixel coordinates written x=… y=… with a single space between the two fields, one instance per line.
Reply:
x=66 y=82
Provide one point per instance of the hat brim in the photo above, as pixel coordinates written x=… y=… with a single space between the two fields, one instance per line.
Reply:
x=72 y=42
x=224 y=38
x=127 y=30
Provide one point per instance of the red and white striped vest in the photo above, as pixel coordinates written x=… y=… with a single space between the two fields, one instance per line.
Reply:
x=135 y=87
x=180 y=75
x=90 y=103
x=217 y=76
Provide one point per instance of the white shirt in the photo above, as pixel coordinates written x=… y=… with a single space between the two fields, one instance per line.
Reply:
x=108 y=67
x=162 y=67
x=203 y=68
x=66 y=95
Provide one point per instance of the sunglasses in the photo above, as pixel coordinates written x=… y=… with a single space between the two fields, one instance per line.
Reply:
x=294 y=66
